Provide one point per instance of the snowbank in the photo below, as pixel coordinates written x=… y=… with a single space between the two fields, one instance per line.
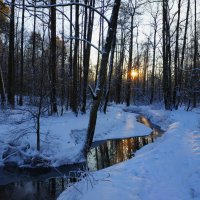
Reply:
x=62 y=138
x=167 y=169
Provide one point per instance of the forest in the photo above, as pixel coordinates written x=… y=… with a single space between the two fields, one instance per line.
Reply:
x=151 y=60
x=89 y=61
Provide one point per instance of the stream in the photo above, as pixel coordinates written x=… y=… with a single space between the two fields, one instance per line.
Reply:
x=48 y=183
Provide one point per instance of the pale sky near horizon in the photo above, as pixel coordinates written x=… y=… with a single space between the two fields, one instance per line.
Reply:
x=144 y=28
x=95 y=36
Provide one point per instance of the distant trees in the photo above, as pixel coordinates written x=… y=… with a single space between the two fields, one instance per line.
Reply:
x=4 y=13
x=4 y=32
x=166 y=58
x=155 y=18
x=47 y=59
x=121 y=42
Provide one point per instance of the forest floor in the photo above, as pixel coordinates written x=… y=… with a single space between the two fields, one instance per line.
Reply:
x=61 y=137
x=167 y=169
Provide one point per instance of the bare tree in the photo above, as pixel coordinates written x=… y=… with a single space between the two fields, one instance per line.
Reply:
x=166 y=56
x=180 y=74
x=176 y=57
x=11 y=63
x=130 y=61
x=195 y=72
x=75 y=62
x=154 y=15
x=110 y=73
x=22 y=57
x=120 y=61
x=53 y=57
x=86 y=55
x=102 y=76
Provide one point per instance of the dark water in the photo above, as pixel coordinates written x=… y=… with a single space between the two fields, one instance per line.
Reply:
x=47 y=184
x=36 y=184
x=31 y=190
x=118 y=150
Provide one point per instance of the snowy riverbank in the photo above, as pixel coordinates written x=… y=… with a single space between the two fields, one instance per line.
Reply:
x=166 y=169
x=62 y=138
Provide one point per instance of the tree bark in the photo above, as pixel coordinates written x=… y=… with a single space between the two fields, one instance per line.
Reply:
x=86 y=56
x=118 y=71
x=11 y=67
x=22 y=58
x=130 y=60
x=98 y=56
x=75 y=62
x=102 y=76
x=110 y=73
x=33 y=51
x=53 y=57
x=195 y=72
x=176 y=57
x=63 y=94
x=146 y=65
x=153 y=65
x=166 y=57
x=183 y=50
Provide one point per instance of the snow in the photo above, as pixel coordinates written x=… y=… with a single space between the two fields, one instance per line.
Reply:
x=62 y=138
x=167 y=169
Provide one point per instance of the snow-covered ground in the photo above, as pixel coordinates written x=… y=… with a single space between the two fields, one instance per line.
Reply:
x=62 y=137
x=168 y=169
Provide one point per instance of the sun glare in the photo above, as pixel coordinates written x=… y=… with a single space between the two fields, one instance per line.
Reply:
x=134 y=74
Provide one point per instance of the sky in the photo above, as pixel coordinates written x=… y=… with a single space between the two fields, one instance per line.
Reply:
x=143 y=20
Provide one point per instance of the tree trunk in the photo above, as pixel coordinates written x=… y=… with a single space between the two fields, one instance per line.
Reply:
x=176 y=57
x=153 y=65
x=75 y=62
x=118 y=71
x=195 y=72
x=128 y=87
x=98 y=56
x=86 y=56
x=166 y=57
x=70 y=99
x=146 y=64
x=11 y=67
x=33 y=52
x=2 y=86
x=53 y=57
x=63 y=94
x=22 y=58
x=102 y=76
x=183 y=51
x=110 y=72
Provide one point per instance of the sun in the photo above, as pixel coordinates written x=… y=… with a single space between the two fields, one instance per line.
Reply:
x=134 y=73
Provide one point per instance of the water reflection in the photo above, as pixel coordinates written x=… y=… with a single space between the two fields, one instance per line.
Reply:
x=36 y=184
x=47 y=184
x=118 y=150
x=33 y=190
